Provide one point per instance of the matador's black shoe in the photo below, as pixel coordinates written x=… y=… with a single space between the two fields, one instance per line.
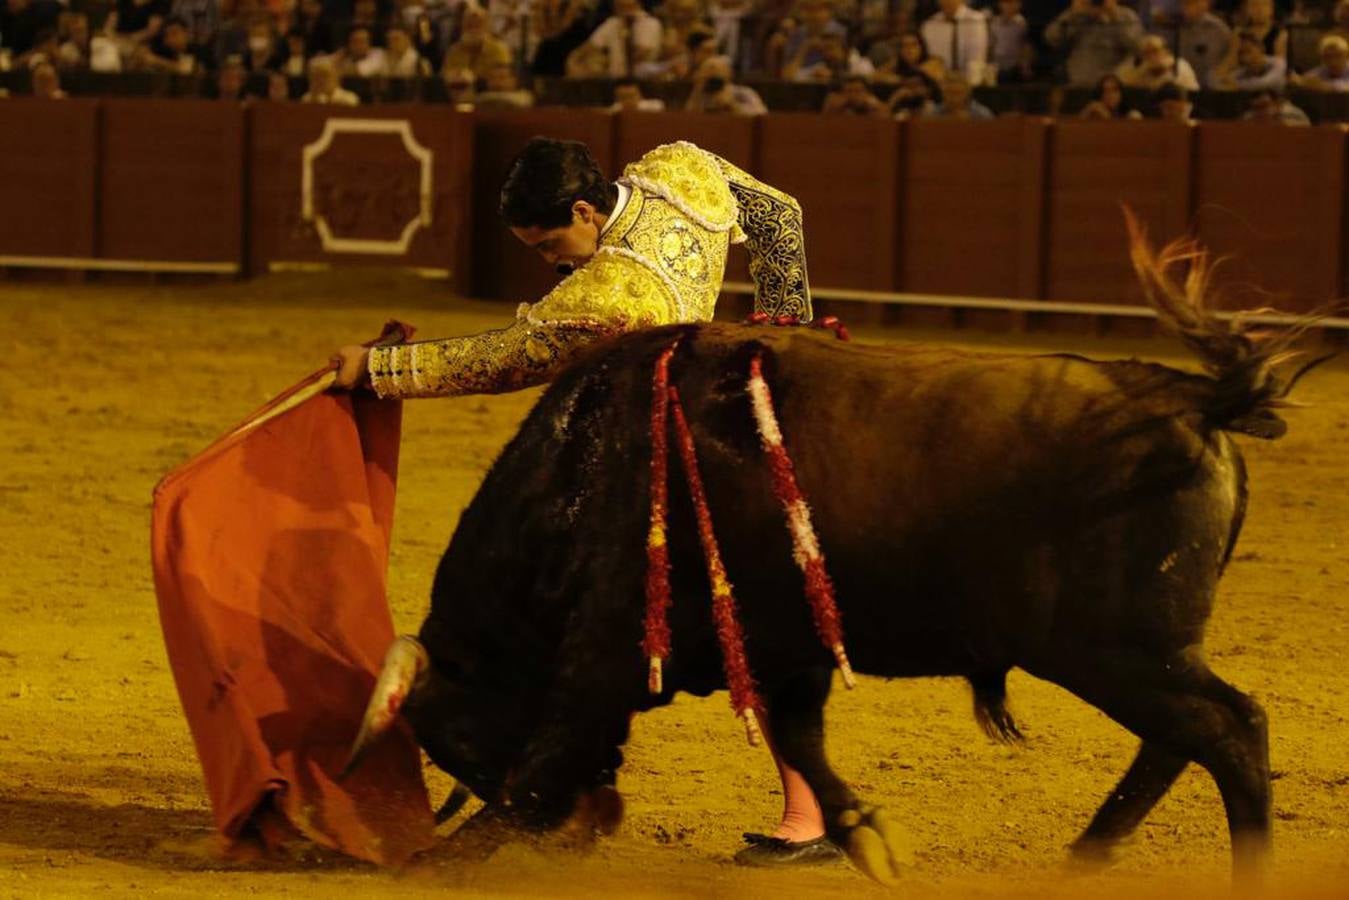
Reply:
x=765 y=851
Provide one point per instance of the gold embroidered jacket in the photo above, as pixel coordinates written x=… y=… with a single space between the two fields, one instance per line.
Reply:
x=660 y=261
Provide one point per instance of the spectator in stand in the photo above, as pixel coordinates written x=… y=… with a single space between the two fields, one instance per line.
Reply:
x=291 y=60
x=202 y=18
x=318 y=31
x=325 y=87
x=83 y=49
x=75 y=49
x=45 y=49
x=588 y=61
x=770 y=25
x=774 y=54
x=1172 y=103
x=854 y=98
x=701 y=47
x=562 y=28
x=46 y=84
x=679 y=20
x=502 y=91
x=1256 y=18
x=360 y=58
x=1339 y=19
x=1202 y=39
x=230 y=81
x=916 y=96
x=1270 y=106
x=1256 y=70
x=136 y=22
x=698 y=46
x=911 y=56
x=628 y=98
x=1333 y=73
x=278 y=87
x=726 y=16
x=426 y=40
x=260 y=52
x=1096 y=35
x=837 y=61
x=509 y=20
x=401 y=59
x=883 y=49
x=1108 y=101
x=1154 y=65
x=21 y=21
x=958 y=36
x=460 y=88
x=957 y=101
x=1009 y=48
x=172 y=51
x=477 y=50
x=715 y=91
x=805 y=48
x=366 y=14
x=630 y=37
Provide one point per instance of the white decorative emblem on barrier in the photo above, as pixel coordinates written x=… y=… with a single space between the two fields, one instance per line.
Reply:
x=313 y=151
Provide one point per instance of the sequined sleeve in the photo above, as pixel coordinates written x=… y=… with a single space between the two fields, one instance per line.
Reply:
x=611 y=294
x=771 y=223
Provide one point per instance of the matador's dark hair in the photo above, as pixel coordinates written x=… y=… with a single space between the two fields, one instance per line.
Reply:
x=547 y=178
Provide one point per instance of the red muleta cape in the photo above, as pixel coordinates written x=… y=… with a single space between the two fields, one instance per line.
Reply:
x=270 y=550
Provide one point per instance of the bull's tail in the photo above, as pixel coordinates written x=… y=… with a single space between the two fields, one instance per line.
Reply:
x=990 y=706
x=1249 y=365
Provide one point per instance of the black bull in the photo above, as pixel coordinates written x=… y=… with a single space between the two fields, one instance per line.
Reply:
x=978 y=511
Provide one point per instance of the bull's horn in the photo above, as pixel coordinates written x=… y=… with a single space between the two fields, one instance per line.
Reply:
x=405 y=666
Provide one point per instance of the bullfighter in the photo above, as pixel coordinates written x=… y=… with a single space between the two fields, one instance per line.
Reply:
x=648 y=249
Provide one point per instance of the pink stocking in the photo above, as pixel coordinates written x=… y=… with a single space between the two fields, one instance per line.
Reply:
x=802 y=818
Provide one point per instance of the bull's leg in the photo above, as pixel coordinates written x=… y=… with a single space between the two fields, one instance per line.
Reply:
x=796 y=722
x=1152 y=773
x=1178 y=705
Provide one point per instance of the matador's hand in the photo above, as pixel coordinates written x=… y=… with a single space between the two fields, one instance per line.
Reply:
x=350 y=363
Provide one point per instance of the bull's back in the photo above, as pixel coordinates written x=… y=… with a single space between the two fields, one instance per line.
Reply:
x=971 y=505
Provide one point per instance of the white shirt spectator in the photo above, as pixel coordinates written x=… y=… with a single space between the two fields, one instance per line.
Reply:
x=409 y=65
x=612 y=37
x=959 y=41
x=646 y=104
x=368 y=66
x=1274 y=75
x=339 y=96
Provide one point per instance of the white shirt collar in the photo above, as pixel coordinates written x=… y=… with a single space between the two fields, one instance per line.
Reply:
x=624 y=195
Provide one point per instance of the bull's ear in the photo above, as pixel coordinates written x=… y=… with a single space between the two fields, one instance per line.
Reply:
x=405 y=668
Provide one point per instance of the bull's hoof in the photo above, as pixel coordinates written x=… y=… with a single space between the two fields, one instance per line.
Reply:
x=1088 y=855
x=770 y=852
x=875 y=844
x=475 y=840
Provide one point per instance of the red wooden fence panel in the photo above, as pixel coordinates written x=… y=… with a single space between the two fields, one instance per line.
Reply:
x=843 y=171
x=1273 y=199
x=1094 y=168
x=48 y=154
x=973 y=207
x=171 y=181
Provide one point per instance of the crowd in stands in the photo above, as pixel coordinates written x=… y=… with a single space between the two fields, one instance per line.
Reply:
x=884 y=58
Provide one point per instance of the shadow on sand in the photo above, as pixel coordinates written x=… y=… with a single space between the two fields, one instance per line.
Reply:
x=148 y=836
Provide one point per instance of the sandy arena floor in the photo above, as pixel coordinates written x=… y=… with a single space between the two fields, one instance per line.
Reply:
x=104 y=388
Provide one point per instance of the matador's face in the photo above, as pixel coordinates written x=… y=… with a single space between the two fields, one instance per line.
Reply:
x=570 y=246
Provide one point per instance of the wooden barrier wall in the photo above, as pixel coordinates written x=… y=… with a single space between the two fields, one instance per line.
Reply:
x=1021 y=207
x=48 y=166
x=171 y=186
